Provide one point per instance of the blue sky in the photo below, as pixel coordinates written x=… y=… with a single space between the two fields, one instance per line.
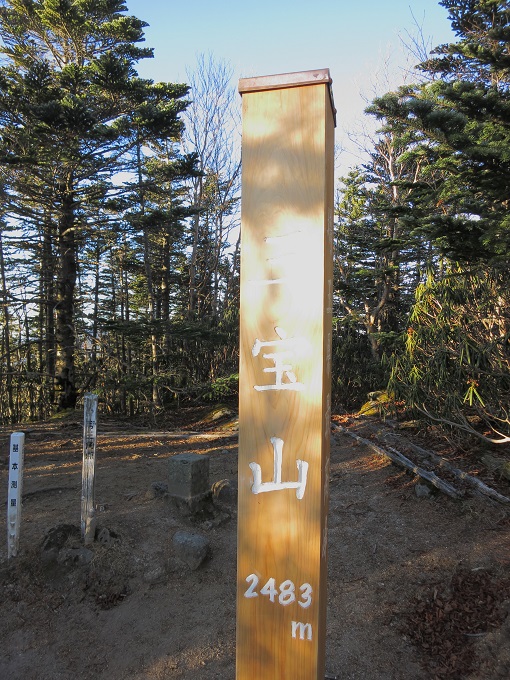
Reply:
x=358 y=40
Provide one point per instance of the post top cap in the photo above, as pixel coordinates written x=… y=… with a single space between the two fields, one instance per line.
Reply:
x=281 y=80
x=320 y=76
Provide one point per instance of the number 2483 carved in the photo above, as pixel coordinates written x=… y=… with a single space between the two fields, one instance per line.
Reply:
x=285 y=592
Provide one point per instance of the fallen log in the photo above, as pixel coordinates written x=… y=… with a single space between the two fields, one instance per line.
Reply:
x=461 y=475
x=398 y=458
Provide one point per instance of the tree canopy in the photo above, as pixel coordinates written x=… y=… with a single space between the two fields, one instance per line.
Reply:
x=119 y=230
x=458 y=124
x=454 y=365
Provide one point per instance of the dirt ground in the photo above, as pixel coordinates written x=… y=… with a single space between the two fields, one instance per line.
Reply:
x=418 y=587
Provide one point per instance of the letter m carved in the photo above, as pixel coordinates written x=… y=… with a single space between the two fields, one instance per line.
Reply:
x=304 y=630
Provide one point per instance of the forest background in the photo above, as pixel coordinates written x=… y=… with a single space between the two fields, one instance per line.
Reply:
x=120 y=211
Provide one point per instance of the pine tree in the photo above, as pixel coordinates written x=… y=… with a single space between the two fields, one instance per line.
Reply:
x=460 y=119
x=71 y=108
x=455 y=366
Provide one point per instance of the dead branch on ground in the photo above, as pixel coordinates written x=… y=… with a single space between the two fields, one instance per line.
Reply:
x=398 y=458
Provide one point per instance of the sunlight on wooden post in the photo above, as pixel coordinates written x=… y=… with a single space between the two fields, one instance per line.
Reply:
x=88 y=512
x=285 y=367
x=15 y=492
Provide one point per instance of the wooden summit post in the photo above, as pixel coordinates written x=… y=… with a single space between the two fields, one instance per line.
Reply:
x=285 y=366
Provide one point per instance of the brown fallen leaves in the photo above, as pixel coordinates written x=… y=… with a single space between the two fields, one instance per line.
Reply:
x=447 y=619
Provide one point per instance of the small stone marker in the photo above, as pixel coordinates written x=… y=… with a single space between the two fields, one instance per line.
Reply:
x=88 y=518
x=14 y=495
x=188 y=479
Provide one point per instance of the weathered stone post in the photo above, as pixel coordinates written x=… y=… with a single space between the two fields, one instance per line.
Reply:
x=285 y=366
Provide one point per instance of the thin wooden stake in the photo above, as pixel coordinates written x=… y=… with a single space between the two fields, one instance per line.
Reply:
x=88 y=518
x=14 y=496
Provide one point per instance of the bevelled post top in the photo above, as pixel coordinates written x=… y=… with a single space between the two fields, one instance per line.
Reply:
x=279 y=81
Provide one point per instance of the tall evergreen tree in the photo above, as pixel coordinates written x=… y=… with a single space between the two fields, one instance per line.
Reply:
x=455 y=366
x=71 y=107
x=460 y=119
x=379 y=260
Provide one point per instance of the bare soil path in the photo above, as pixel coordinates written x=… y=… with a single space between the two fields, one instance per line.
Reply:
x=419 y=588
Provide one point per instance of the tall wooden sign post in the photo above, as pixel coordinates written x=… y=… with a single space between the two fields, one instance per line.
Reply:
x=285 y=365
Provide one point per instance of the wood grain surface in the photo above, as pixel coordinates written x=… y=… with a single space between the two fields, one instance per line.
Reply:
x=285 y=364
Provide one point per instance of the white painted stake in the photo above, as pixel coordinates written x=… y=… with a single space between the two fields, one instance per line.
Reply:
x=88 y=514
x=14 y=495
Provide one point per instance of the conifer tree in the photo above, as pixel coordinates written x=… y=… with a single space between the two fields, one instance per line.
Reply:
x=460 y=119
x=71 y=108
x=455 y=367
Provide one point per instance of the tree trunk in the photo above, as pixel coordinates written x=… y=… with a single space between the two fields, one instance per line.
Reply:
x=65 y=331
x=95 y=314
x=192 y=285
x=46 y=321
x=150 y=284
x=48 y=277
x=6 y=335
x=29 y=364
